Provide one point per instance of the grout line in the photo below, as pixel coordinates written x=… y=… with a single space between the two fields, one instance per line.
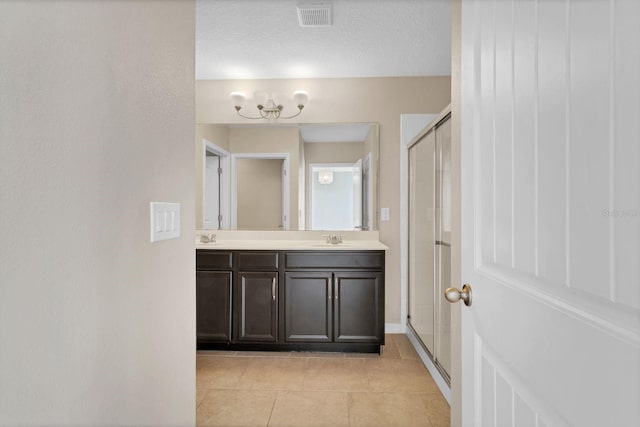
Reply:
x=203 y=398
x=366 y=373
x=273 y=406
x=349 y=408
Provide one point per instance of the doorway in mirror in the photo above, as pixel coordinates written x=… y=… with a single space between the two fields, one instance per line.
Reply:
x=216 y=203
x=336 y=196
x=260 y=191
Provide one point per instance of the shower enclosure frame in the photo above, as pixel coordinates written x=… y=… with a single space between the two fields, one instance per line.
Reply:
x=438 y=304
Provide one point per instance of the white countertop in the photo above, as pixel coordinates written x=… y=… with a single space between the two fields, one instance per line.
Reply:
x=294 y=245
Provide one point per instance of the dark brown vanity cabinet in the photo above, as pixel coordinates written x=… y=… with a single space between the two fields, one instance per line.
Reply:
x=358 y=307
x=334 y=296
x=256 y=296
x=309 y=306
x=334 y=306
x=213 y=296
x=290 y=300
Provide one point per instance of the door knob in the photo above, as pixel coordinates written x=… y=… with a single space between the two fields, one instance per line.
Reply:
x=455 y=295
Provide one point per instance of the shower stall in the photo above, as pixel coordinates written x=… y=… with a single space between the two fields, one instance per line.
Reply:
x=429 y=241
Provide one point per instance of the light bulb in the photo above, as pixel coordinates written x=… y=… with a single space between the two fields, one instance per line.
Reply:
x=325 y=177
x=300 y=97
x=238 y=99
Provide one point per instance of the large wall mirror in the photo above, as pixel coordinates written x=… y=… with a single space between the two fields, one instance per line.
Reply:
x=288 y=177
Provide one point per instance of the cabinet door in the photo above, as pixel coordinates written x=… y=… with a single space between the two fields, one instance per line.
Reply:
x=308 y=306
x=358 y=305
x=213 y=305
x=256 y=308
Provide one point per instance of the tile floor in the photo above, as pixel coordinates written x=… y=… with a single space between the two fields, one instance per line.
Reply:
x=318 y=389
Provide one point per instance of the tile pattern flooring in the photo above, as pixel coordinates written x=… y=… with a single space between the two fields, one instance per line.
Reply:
x=318 y=389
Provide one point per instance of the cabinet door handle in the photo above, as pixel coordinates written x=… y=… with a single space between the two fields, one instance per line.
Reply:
x=333 y=287
x=273 y=289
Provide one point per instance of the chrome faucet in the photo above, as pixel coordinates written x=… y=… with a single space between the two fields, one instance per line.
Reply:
x=334 y=239
x=207 y=238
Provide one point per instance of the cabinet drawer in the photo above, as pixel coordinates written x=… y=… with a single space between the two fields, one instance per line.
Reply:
x=335 y=260
x=257 y=260
x=213 y=260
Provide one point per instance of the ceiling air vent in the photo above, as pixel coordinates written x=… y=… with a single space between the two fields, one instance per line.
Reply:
x=314 y=14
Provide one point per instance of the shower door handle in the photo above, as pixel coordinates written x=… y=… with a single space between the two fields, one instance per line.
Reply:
x=454 y=295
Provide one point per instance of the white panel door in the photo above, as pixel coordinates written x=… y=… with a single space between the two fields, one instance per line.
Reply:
x=551 y=212
x=285 y=199
x=212 y=193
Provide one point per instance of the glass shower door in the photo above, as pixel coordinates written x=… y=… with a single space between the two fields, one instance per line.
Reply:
x=429 y=243
x=443 y=245
x=422 y=239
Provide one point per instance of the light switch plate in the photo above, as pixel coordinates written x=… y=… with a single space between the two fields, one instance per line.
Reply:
x=165 y=221
x=384 y=214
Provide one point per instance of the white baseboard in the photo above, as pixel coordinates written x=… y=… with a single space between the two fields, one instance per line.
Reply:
x=394 y=328
x=437 y=377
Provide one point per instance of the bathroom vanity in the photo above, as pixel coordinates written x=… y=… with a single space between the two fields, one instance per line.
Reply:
x=295 y=296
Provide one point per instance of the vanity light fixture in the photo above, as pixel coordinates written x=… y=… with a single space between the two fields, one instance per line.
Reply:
x=325 y=177
x=270 y=110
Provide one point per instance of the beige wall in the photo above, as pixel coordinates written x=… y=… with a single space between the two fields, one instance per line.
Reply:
x=219 y=135
x=97 y=324
x=380 y=100
x=276 y=140
x=370 y=140
x=259 y=194
x=332 y=152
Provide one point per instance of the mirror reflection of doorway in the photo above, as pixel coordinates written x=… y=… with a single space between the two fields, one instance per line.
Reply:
x=212 y=214
x=335 y=196
x=215 y=197
x=260 y=188
x=260 y=194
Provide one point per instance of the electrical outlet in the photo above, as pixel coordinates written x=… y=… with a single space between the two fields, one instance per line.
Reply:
x=384 y=214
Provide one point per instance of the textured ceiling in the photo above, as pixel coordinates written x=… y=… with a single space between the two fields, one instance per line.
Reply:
x=261 y=39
